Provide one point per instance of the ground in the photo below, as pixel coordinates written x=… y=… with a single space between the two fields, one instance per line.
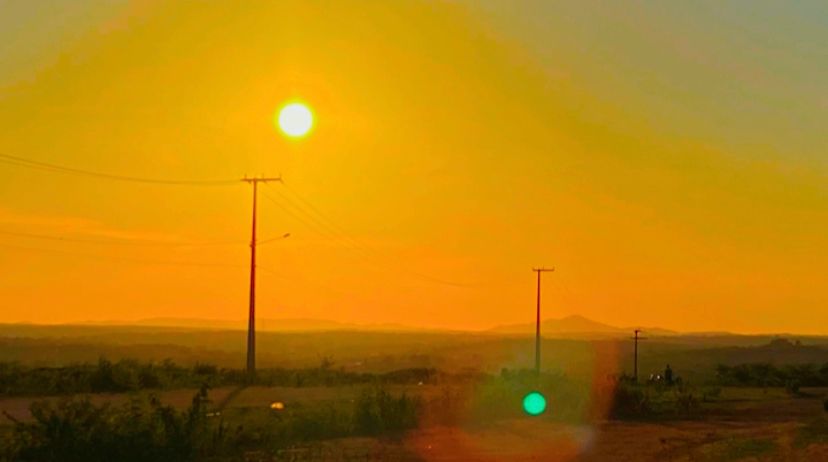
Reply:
x=742 y=424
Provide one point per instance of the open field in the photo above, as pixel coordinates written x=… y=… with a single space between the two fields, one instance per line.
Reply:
x=741 y=424
x=693 y=357
x=470 y=407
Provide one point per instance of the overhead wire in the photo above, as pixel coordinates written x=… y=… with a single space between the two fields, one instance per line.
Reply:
x=339 y=233
x=46 y=166
x=123 y=258
x=120 y=241
x=320 y=222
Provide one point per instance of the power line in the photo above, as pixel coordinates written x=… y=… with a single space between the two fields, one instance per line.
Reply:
x=332 y=232
x=318 y=217
x=122 y=258
x=119 y=241
x=45 y=166
x=306 y=221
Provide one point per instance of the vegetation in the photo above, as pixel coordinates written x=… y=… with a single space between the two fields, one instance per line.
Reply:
x=813 y=432
x=767 y=375
x=76 y=430
x=131 y=375
x=738 y=449
x=655 y=399
x=105 y=376
x=489 y=398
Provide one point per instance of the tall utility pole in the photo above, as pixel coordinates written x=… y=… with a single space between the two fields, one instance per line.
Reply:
x=251 y=320
x=635 y=354
x=538 y=318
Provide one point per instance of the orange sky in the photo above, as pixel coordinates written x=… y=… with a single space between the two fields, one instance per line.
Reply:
x=667 y=159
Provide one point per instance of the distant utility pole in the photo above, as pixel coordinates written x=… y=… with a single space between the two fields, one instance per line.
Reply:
x=538 y=318
x=251 y=321
x=635 y=354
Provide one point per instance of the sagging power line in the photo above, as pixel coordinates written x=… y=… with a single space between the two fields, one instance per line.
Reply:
x=333 y=231
x=120 y=241
x=304 y=207
x=46 y=166
x=123 y=258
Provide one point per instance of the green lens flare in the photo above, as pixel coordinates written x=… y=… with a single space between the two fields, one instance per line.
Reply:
x=534 y=403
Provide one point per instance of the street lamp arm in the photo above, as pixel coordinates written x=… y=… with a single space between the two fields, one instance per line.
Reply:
x=284 y=236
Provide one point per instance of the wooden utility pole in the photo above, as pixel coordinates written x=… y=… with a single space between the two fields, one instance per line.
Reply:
x=251 y=320
x=635 y=354
x=538 y=318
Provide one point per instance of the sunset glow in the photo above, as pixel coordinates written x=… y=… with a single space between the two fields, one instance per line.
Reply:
x=670 y=167
x=295 y=120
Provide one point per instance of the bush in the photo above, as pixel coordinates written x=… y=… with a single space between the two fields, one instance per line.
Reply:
x=631 y=400
x=377 y=412
x=104 y=377
x=711 y=393
x=768 y=375
x=130 y=375
x=686 y=401
x=792 y=386
x=76 y=430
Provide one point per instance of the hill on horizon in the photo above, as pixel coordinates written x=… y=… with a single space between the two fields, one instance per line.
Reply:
x=576 y=324
x=566 y=326
x=262 y=324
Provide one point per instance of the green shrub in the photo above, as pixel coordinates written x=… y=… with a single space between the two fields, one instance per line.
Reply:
x=75 y=430
x=768 y=375
x=815 y=431
x=792 y=386
x=377 y=412
x=711 y=393
x=686 y=401
x=631 y=400
x=104 y=377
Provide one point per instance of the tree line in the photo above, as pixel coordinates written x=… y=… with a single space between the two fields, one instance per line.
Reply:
x=76 y=430
x=131 y=375
x=791 y=376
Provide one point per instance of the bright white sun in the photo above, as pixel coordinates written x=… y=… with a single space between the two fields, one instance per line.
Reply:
x=295 y=120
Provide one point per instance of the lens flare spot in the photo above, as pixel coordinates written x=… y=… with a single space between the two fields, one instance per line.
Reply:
x=534 y=403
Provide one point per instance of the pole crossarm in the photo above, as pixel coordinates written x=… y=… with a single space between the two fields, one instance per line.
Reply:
x=261 y=179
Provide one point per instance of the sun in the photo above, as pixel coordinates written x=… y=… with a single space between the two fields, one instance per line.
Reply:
x=295 y=120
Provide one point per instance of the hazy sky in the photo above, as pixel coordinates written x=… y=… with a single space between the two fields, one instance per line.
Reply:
x=668 y=158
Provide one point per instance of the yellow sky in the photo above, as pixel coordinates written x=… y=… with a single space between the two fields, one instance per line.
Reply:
x=668 y=160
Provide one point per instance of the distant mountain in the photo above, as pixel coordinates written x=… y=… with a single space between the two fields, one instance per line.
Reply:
x=576 y=325
x=264 y=324
x=570 y=326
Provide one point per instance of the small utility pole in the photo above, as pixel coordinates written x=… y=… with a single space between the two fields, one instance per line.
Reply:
x=635 y=354
x=538 y=318
x=251 y=320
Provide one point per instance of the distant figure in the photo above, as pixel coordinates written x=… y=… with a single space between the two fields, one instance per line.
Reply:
x=668 y=375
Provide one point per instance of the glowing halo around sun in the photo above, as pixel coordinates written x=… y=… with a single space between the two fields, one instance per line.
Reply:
x=295 y=119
